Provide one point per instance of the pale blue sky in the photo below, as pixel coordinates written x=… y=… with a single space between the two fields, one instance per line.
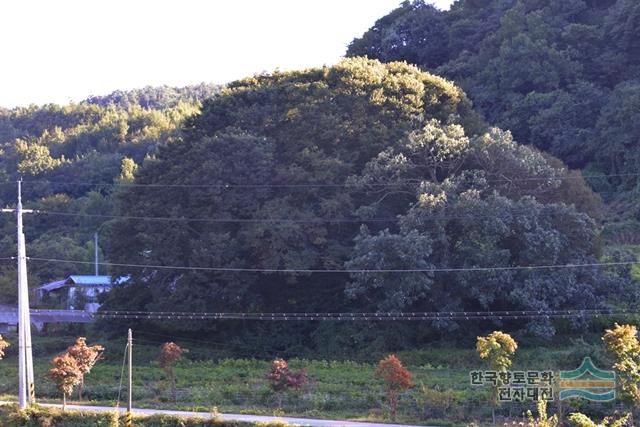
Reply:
x=65 y=50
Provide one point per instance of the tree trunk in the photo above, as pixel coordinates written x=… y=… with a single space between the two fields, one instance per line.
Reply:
x=493 y=414
x=80 y=388
x=393 y=403
x=173 y=388
x=64 y=401
x=560 y=412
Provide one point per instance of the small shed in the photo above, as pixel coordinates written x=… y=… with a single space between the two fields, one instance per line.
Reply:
x=76 y=292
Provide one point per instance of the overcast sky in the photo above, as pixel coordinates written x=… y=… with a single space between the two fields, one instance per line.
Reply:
x=65 y=50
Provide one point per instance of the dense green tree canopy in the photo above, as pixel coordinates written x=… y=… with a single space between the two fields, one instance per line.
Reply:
x=561 y=75
x=70 y=157
x=359 y=166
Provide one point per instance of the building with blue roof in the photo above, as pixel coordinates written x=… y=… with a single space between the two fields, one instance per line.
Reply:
x=77 y=292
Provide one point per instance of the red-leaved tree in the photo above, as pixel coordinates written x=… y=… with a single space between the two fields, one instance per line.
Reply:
x=396 y=379
x=86 y=357
x=281 y=378
x=3 y=347
x=66 y=374
x=170 y=354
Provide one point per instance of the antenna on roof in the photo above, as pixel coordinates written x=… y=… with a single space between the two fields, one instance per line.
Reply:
x=95 y=249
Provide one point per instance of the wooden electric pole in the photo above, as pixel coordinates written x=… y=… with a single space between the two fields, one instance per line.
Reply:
x=128 y=417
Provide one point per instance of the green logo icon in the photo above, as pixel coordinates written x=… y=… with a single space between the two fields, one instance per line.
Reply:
x=588 y=382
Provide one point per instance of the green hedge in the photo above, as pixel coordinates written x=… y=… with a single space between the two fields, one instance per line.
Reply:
x=37 y=416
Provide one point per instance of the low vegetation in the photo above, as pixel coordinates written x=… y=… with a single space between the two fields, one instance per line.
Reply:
x=397 y=379
x=3 y=346
x=37 y=416
x=441 y=392
x=70 y=368
x=497 y=349
x=282 y=379
x=170 y=354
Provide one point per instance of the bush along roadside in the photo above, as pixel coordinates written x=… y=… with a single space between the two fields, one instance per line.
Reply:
x=37 y=416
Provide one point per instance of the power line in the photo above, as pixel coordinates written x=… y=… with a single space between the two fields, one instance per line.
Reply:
x=222 y=220
x=262 y=220
x=397 y=315
x=417 y=316
x=342 y=271
x=320 y=185
x=363 y=316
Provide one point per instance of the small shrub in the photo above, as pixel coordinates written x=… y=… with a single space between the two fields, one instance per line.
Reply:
x=581 y=420
x=281 y=378
x=396 y=378
x=3 y=345
x=497 y=348
x=86 y=357
x=170 y=354
x=66 y=374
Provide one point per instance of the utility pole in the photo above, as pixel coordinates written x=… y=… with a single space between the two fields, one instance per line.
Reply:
x=26 y=387
x=95 y=252
x=128 y=416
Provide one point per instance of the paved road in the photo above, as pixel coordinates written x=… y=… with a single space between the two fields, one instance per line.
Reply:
x=233 y=417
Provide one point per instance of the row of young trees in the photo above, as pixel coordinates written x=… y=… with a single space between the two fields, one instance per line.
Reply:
x=70 y=368
x=497 y=349
x=395 y=376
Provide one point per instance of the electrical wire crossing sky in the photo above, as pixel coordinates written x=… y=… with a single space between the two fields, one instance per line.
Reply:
x=66 y=50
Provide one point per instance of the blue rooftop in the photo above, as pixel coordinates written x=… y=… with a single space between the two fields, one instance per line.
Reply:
x=77 y=280
x=89 y=280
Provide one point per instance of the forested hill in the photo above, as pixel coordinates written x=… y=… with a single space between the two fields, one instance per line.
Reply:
x=360 y=187
x=158 y=98
x=69 y=157
x=563 y=76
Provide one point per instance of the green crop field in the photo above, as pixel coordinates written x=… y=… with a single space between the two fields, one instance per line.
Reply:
x=442 y=394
